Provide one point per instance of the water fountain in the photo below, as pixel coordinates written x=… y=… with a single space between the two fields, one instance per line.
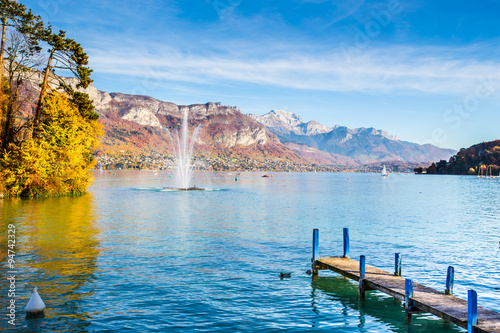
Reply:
x=183 y=146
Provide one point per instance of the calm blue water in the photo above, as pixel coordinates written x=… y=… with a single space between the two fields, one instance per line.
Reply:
x=129 y=257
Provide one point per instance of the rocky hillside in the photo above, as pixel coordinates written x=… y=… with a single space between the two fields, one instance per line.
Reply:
x=361 y=145
x=287 y=123
x=139 y=125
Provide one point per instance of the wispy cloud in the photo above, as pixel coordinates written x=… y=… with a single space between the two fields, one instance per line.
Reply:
x=266 y=47
x=435 y=70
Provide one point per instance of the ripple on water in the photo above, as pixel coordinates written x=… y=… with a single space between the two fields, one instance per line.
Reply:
x=132 y=257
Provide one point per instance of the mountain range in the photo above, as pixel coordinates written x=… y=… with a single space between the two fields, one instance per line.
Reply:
x=139 y=125
x=360 y=145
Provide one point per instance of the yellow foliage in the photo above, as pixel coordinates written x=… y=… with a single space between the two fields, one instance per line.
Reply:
x=58 y=162
x=3 y=105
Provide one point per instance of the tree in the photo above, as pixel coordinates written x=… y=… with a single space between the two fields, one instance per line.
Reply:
x=441 y=167
x=68 y=55
x=57 y=163
x=47 y=150
x=22 y=56
x=432 y=169
x=13 y=14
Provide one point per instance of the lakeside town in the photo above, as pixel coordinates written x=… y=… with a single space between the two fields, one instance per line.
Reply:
x=158 y=161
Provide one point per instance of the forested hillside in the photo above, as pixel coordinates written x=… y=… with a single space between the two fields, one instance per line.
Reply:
x=481 y=159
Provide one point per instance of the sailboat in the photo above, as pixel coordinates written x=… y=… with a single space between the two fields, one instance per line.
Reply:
x=384 y=172
x=480 y=172
x=490 y=172
x=490 y=169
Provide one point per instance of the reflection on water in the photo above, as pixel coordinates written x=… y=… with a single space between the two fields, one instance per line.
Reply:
x=130 y=257
x=56 y=250
x=375 y=307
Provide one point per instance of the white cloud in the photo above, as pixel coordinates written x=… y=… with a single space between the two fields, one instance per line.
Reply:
x=264 y=48
x=431 y=70
x=382 y=69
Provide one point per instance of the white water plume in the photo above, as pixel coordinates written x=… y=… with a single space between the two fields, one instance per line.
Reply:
x=183 y=146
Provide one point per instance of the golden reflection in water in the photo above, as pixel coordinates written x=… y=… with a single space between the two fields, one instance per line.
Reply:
x=56 y=250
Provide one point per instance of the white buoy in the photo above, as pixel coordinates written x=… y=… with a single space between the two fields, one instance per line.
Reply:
x=35 y=305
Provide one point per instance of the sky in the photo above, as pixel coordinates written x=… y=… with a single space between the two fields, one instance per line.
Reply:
x=426 y=71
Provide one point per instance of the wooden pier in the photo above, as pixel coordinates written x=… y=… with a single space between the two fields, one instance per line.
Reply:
x=417 y=297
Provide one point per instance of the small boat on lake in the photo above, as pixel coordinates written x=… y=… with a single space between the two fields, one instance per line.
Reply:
x=384 y=172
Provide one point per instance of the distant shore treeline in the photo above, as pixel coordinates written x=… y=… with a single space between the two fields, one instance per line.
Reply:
x=48 y=129
x=480 y=159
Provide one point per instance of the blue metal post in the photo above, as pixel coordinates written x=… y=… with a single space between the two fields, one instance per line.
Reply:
x=450 y=276
x=362 y=261
x=315 y=248
x=472 y=311
x=346 y=243
x=408 y=294
x=361 y=276
x=397 y=264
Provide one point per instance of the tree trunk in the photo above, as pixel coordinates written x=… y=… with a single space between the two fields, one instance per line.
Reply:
x=2 y=47
x=43 y=92
x=3 y=121
x=9 y=133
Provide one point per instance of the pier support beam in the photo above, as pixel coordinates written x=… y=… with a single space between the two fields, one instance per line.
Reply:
x=346 y=243
x=362 y=262
x=450 y=276
x=315 y=251
x=409 y=304
x=472 y=311
x=397 y=264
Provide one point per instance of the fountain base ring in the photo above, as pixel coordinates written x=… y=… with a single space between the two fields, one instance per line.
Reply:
x=194 y=188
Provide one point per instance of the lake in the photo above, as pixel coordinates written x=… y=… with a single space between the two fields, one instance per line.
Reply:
x=130 y=257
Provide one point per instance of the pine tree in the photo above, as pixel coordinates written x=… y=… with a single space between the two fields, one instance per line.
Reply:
x=64 y=54
x=13 y=14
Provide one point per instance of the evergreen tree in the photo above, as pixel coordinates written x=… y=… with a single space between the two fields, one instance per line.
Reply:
x=64 y=54
x=13 y=14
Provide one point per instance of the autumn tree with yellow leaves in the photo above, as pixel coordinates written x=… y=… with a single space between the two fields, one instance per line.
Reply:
x=47 y=136
x=58 y=162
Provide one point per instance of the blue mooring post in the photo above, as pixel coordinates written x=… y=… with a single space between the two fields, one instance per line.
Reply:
x=408 y=294
x=362 y=262
x=409 y=304
x=346 y=243
x=315 y=251
x=450 y=276
x=397 y=264
x=472 y=311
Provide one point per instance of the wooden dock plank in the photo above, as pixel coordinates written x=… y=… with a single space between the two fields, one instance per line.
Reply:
x=447 y=307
